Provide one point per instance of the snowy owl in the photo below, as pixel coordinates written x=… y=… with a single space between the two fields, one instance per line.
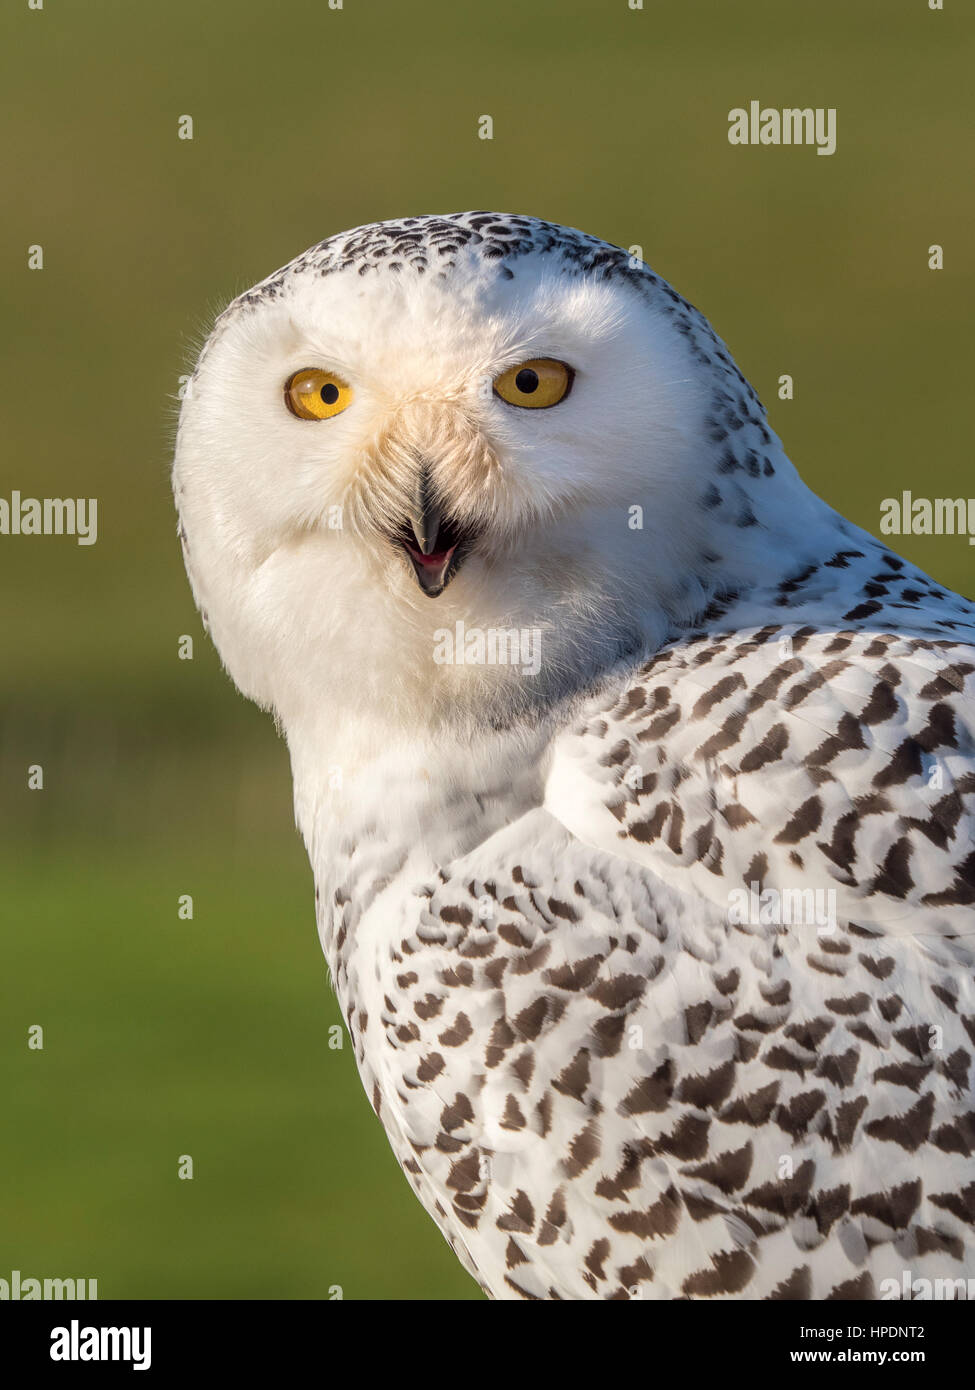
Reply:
x=638 y=784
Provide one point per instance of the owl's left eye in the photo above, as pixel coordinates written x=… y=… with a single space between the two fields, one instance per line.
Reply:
x=314 y=394
x=536 y=384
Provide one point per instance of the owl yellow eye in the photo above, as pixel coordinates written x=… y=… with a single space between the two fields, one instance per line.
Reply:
x=314 y=394
x=536 y=384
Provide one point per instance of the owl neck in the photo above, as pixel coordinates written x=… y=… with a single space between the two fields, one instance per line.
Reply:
x=362 y=788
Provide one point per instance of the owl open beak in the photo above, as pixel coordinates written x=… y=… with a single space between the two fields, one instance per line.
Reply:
x=434 y=544
x=435 y=547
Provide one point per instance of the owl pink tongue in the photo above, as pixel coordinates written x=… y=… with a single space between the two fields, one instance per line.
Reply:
x=434 y=545
x=436 y=560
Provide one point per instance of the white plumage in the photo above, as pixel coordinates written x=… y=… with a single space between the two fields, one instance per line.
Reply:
x=658 y=962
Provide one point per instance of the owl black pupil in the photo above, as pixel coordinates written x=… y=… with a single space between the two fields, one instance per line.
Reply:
x=329 y=393
x=526 y=381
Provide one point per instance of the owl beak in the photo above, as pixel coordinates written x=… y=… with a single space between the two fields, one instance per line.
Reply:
x=424 y=524
x=433 y=544
x=425 y=518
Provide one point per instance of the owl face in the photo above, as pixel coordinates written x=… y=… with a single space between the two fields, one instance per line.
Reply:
x=396 y=439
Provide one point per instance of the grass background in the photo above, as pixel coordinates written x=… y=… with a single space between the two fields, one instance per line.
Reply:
x=210 y=1037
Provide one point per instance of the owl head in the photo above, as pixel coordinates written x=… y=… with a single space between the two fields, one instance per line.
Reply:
x=468 y=423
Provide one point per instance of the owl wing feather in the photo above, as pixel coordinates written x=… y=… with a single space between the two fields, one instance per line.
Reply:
x=605 y=1082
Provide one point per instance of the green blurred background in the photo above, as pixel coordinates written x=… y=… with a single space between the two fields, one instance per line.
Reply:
x=210 y=1037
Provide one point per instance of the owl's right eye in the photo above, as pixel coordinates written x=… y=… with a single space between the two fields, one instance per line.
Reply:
x=314 y=394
